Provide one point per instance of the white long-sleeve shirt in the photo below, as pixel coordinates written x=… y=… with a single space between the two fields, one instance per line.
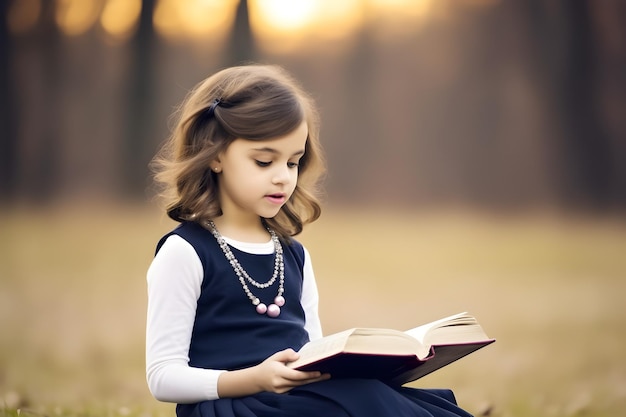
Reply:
x=174 y=281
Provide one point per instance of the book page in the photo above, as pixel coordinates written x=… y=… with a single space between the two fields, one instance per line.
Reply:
x=367 y=341
x=384 y=342
x=459 y=328
x=420 y=332
x=319 y=348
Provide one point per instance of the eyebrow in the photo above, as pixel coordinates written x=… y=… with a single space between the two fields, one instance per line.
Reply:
x=275 y=151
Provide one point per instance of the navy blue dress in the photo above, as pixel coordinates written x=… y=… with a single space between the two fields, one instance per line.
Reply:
x=229 y=334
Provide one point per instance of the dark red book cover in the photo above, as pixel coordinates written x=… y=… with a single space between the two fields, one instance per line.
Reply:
x=394 y=369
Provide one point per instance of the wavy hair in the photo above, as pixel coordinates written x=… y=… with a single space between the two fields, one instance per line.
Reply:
x=256 y=102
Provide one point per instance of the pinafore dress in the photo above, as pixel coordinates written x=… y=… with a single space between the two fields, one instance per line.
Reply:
x=229 y=334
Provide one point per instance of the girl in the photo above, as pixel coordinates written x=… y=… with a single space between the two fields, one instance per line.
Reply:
x=231 y=295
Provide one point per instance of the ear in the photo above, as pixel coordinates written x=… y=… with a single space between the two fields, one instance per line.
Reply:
x=216 y=166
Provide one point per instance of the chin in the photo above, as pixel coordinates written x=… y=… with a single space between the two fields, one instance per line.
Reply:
x=269 y=215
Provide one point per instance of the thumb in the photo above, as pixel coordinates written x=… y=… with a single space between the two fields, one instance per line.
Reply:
x=287 y=355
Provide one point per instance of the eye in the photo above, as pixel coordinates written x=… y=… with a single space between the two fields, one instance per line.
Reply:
x=262 y=164
x=293 y=164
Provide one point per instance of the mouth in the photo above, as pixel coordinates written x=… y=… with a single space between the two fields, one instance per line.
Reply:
x=277 y=198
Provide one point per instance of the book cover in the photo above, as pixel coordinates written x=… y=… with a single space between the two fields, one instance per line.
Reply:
x=393 y=356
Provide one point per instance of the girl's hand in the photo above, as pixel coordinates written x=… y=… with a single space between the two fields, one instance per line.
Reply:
x=274 y=376
x=271 y=375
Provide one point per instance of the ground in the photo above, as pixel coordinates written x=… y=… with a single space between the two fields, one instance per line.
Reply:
x=548 y=286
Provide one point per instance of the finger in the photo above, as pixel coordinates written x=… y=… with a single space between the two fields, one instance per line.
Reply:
x=298 y=376
x=287 y=355
x=322 y=377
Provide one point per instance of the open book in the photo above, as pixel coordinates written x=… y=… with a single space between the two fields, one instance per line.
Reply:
x=393 y=356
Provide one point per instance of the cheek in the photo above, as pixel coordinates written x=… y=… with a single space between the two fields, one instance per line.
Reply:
x=237 y=182
x=294 y=182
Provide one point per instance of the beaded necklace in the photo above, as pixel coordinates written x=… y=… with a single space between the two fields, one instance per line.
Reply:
x=273 y=310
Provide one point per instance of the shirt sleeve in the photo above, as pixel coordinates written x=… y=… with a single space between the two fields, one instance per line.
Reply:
x=310 y=299
x=174 y=281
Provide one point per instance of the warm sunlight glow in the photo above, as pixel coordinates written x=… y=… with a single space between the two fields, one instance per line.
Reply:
x=75 y=17
x=337 y=19
x=286 y=15
x=402 y=8
x=23 y=15
x=120 y=17
x=177 y=19
x=401 y=17
x=282 y=25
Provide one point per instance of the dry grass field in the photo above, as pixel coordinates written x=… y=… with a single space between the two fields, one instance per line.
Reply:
x=549 y=288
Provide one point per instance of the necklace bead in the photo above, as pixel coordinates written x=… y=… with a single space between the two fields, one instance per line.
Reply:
x=273 y=310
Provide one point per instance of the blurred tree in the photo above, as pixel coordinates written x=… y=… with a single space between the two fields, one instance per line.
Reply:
x=358 y=150
x=241 y=48
x=586 y=147
x=565 y=64
x=140 y=140
x=8 y=111
x=42 y=169
x=505 y=99
x=610 y=33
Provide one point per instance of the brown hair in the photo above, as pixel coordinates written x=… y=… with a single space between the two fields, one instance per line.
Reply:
x=256 y=102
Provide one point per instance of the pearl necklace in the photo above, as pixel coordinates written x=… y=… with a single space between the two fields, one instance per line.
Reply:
x=273 y=310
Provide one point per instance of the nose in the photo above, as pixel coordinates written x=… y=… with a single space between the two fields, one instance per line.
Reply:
x=281 y=174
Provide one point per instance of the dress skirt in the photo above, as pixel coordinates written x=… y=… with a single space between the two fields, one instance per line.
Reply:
x=333 y=398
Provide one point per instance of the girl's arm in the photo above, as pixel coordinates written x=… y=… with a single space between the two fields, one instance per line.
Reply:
x=171 y=313
x=174 y=280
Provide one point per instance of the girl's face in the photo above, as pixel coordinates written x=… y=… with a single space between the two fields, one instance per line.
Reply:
x=257 y=177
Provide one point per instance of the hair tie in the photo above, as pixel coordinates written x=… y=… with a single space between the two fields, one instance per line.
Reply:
x=211 y=111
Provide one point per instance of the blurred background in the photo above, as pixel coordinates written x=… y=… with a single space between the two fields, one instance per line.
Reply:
x=477 y=161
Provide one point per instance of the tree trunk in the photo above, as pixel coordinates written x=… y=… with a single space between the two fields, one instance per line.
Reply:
x=585 y=144
x=138 y=148
x=241 y=48
x=8 y=112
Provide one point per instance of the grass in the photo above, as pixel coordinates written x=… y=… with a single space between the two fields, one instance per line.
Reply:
x=548 y=288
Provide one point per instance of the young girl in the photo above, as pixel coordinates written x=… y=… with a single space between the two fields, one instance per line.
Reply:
x=231 y=295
